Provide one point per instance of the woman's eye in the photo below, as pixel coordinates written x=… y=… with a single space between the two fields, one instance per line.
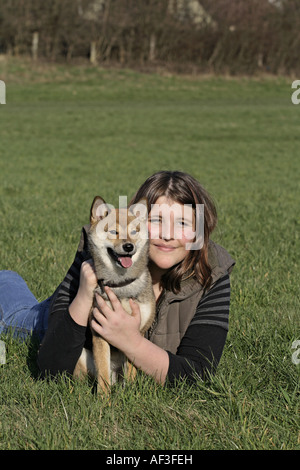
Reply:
x=155 y=221
x=184 y=223
x=181 y=223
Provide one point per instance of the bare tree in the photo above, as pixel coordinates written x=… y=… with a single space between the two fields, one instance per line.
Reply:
x=236 y=36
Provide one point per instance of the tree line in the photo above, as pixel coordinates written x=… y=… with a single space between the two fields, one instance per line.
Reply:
x=232 y=36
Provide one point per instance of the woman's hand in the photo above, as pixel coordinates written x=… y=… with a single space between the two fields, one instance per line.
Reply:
x=81 y=306
x=123 y=331
x=115 y=325
x=88 y=281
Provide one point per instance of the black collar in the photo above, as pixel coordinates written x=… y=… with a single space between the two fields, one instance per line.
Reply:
x=112 y=285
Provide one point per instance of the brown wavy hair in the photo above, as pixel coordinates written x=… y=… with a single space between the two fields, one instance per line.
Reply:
x=183 y=189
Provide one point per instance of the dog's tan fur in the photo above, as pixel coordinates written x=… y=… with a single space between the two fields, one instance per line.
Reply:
x=110 y=233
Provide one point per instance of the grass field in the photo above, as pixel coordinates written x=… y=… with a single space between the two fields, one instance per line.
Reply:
x=69 y=133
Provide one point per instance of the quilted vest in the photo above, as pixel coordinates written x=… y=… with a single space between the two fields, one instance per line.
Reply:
x=176 y=311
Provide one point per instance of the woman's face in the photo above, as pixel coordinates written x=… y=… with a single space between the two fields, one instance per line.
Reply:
x=171 y=227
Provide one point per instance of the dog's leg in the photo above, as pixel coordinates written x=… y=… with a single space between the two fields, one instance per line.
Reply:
x=101 y=353
x=85 y=365
x=131 y=371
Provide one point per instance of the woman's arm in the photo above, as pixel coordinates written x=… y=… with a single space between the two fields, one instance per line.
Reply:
x=81 y=306
x=61 y=346
x=66 y=333
x=198 y=354
x=202 y=346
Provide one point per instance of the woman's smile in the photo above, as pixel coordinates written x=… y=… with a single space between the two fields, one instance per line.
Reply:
x=165 y=248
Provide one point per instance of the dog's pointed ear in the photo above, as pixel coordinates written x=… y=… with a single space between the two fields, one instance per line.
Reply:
x=140 y=209
x=99 y=210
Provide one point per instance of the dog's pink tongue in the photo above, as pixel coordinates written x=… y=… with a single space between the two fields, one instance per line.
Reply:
x=125 y=261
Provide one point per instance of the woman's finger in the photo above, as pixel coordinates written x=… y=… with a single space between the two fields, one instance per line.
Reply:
x=99 y=316
x=102 y=305
x=134 y=307
x=112 y=297
x=96 y=326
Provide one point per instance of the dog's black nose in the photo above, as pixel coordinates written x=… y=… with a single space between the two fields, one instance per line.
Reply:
x=128 y=247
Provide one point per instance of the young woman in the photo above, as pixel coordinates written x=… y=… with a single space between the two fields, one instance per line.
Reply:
x=191 y=287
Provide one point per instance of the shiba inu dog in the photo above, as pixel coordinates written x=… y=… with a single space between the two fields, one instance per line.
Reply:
x=118 y=243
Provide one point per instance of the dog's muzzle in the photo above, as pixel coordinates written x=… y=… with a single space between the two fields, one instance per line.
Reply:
x=123 y=259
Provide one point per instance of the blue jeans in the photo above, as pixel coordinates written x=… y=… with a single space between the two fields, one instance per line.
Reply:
x=20 y=312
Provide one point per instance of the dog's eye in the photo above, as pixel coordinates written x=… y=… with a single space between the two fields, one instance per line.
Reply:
x=135 y=230
x=113 y=232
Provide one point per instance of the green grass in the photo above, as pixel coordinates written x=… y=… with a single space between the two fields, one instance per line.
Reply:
x=69 y=133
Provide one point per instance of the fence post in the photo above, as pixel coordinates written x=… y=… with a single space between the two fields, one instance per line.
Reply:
x=35 y=45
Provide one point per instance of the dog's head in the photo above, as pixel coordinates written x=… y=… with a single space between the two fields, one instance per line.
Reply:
x=118 y=237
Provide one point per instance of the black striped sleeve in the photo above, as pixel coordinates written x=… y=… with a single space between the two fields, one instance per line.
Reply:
x=201 y=347
x=213 y=308
x=69 y=286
